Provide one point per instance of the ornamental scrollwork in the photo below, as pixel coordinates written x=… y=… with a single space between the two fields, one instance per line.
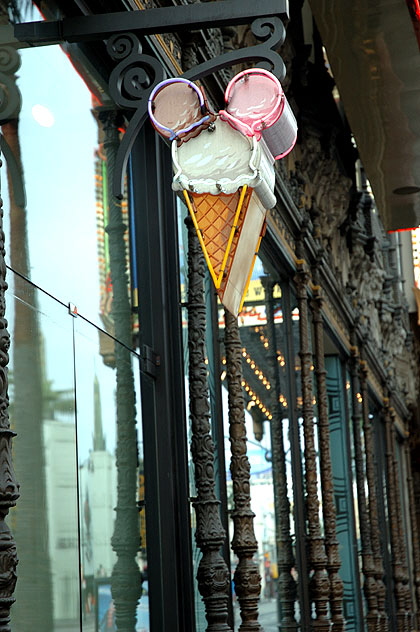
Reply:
x=136 y=74
x=130 y=83
x=10 y=97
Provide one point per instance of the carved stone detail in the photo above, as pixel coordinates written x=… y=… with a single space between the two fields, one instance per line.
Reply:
x=324 y=184
x=213 y=573
x=244 y=544
x=319 y=582
x=287 y=586
x=327 y=486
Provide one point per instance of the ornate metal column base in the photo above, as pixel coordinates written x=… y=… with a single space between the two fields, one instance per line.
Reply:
x=247 y=577
x=213 y=574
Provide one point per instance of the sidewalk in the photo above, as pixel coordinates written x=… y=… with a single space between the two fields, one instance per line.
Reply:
x=268 y=615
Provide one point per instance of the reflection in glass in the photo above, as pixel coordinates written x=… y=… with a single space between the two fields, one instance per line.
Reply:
x=54 y=138
x=42 y=413
x=97 y=441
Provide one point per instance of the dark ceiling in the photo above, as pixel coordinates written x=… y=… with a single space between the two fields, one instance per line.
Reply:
x=374 y=54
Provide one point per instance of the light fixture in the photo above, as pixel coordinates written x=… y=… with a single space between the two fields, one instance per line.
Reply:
x=407 y=190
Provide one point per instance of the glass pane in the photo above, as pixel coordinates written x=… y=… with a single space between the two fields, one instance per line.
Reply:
x=107 y=488
x=42 y=412
x=104 y=484
x=55 y=138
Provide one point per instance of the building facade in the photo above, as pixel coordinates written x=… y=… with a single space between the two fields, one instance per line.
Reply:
x=175 y=468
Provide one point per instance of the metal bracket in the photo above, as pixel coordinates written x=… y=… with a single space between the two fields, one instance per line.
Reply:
x=150 y=361
x=136 y=74
x=151 y=22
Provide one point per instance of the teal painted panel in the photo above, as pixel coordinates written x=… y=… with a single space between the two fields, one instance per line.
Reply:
x=343 y=493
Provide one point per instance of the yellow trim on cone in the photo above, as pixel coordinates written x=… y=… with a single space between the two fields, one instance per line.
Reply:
x=248 y=281
x=200 y=237
x=232 y=234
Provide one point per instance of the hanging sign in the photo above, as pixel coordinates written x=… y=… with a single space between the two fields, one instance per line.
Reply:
x=225 y=172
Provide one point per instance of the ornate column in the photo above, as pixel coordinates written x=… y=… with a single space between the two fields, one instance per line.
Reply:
x=244 y=544
x=126 y=577
x=327 y=483
x=401 y=539
x=373 y=503
x=370 y=587
x=285 y=558
x=9 y=489
x=319 y=583
x=213 y=574
x=414 y=535
x=397 y=567
x=27 y=391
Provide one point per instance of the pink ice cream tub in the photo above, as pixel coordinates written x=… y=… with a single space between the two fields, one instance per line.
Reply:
x=257 y=106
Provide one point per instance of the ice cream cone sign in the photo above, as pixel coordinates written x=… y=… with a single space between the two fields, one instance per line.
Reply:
x=224 y=173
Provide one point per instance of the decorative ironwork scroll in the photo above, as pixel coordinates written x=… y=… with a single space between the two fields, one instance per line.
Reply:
x=136 y=74
x=327 y=485
x=213 y=574
x=319 y=583
x=373 y=504
x=130 y=85
x=9 y=489
x=271 y=31
x=370 y=586
x=126 y=577
x=285 y=558
x=244 y=544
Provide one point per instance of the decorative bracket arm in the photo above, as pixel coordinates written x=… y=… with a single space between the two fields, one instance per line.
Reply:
x=151 y=22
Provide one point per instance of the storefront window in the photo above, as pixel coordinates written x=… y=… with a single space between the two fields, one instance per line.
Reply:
x=68 y=372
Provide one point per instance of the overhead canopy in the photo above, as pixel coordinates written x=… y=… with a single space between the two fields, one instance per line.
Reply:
x=374 y=55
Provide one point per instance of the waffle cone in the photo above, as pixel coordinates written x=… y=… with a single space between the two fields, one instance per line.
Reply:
x=215 y=216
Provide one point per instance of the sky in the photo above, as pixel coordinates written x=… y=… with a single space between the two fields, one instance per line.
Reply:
x=58 y=138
